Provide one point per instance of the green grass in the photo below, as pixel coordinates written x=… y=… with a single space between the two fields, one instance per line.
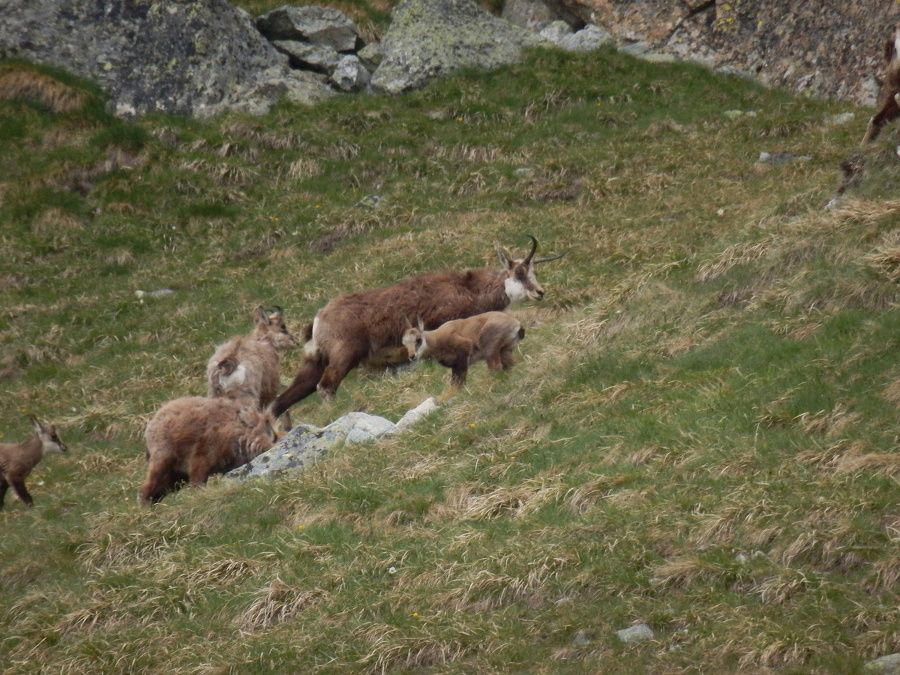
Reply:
x=700 y=434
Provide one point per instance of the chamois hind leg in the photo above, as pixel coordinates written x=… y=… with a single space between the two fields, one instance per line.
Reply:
x=19 y=486
x=160 y=480
x=303 y=385
x=4 y=486
x=333 y=376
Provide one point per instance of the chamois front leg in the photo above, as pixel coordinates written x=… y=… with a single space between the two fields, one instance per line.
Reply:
x=4 y=486
x=890 y=110
x=19 y=487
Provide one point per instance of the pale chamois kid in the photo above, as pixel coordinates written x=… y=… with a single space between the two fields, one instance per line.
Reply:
x=457 y=344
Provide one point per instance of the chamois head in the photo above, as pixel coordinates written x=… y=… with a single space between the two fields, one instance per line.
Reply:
x=49 y=436
x=414 y=340
x=521 y=282
x=271 y=328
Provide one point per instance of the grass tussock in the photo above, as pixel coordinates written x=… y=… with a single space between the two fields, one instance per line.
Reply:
x=699 y=432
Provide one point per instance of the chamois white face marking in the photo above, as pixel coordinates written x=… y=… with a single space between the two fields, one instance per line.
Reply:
x=414 y=343
x=522 y=284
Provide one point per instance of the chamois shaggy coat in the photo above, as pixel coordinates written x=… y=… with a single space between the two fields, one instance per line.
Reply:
x=18 y=460
x=194 y=437
x=248 y=365
x=489 y=337
x=368 y=326
x=890 y=101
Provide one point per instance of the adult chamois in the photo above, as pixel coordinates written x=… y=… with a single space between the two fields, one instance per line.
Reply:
x=369 y=326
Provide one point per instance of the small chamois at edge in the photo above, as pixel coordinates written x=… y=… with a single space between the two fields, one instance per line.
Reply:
x=17 y=460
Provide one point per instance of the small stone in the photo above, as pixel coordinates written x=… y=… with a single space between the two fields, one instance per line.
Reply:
x=638 y=633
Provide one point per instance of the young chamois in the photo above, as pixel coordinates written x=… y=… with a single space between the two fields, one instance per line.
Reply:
x=17 y=461
x=248 y=365
x=489 y=337
x=890 y=102
x=194 y=437
x=369 y=326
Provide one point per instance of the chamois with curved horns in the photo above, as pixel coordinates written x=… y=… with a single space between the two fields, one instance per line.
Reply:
x=489 y=337
x=369 y=326
x=890 y=101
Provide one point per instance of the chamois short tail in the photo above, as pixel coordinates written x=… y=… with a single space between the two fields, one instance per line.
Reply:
x=304 y=384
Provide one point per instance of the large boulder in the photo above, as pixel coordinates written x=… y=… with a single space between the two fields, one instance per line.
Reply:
x=430 y=38
x=317 y=25
x=191 y=57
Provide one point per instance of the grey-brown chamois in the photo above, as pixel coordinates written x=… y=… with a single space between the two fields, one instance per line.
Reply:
x=890 y=100
x=17 y=460
x=489 y=337
x=369 y=326
x=248 y=364
x=191 y=438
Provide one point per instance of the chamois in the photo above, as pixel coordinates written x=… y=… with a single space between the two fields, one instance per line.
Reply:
x=194 y=437
x=248 y=365
x=890 y=102
x=369 y=326
x=17 y=461
x=457 y=344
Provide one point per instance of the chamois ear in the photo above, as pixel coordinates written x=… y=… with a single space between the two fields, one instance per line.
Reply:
x=38 y=427
x=260 y=315
x=504 y=256
x=421 y=323
x=407 y=321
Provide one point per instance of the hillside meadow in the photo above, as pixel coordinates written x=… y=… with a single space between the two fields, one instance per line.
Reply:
x=700 y=433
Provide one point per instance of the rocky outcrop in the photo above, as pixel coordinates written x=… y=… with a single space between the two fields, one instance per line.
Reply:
x=191 y=57
x=430 y=38
x=306 y=445
x=828 y=48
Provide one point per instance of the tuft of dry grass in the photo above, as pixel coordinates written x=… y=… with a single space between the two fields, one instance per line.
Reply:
x=22 y=82
x=276 y=603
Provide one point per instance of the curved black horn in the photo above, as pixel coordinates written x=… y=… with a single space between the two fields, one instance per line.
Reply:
x=533 y=248
x=549 y=258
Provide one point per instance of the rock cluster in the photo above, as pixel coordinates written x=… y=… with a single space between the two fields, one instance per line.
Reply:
x=305 y=444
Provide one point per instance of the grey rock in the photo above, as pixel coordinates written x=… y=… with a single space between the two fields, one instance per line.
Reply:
x=886 y=665
x=430 y=38
x=777 y=158
x=305 y=55
x=638 y=633
x=556 y=32
x=587 y=39
x=635 y=48
x=191 y=57
x=424 y=409
x=297 y=86
x=317 y=25
x=371 y=56
x=350 y=74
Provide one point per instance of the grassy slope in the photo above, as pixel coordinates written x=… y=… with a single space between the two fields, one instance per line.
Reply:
x=701 y=433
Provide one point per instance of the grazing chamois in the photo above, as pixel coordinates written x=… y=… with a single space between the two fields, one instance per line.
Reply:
x=369 y=326
x=194 y=437
x=17 y=461
x=890 y=101
x=248 y=365
x=457 y=344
